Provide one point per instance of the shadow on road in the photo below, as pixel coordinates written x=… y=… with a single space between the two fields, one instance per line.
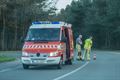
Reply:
x=48 y=67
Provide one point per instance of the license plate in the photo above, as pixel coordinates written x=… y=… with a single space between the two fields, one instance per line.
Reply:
x=38 y=58
x=38 y=61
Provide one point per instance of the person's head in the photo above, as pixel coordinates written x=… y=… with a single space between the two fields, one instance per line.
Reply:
x=80 y=36
x=90 y=37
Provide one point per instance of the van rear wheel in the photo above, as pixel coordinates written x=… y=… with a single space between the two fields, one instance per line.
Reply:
x=68 y=62
x=25 y=66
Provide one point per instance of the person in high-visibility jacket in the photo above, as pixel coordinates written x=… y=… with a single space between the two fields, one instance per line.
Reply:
x=87 y=48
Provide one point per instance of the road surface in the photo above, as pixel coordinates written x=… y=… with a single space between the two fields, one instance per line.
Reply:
x=105 y=67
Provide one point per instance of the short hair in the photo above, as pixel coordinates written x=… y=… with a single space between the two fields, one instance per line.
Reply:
x=91 y=37
x=80 y=35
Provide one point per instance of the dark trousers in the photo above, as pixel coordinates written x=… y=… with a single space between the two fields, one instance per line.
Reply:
x=80 y=55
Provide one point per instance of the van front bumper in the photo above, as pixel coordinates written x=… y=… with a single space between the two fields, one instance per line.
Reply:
x=40 y=61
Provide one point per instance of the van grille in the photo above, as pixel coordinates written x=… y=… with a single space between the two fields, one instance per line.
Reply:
x=39 y=55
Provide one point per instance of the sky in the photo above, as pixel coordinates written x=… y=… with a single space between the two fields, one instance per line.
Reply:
x=62 y=4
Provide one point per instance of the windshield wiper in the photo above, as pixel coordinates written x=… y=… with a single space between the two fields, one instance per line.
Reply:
x=42 y=40
x=45 y=41
x=28 y=40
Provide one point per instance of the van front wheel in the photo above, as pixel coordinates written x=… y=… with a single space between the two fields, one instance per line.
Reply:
x=70 y=62
x=25 y=66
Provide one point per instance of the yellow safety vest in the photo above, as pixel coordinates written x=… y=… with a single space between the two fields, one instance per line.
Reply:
x=88 y=44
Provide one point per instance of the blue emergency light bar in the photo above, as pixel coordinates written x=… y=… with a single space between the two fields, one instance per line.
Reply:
x=45 y=22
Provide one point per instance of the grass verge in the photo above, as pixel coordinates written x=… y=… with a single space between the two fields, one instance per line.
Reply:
x=6 y=59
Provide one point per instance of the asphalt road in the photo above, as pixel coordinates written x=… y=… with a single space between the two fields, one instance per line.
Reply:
x=105 y=67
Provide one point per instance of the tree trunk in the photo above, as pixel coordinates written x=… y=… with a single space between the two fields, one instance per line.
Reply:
x=109 y=40
x=3 y=33
x=106 y=40
x=15 y=37
x=15 y=43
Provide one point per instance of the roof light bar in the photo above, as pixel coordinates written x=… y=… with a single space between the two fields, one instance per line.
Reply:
x=45 y=22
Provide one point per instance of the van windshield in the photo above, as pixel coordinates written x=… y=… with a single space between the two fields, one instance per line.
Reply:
x=44 y=34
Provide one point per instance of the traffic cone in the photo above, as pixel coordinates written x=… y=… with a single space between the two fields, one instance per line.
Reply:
x=94 y=57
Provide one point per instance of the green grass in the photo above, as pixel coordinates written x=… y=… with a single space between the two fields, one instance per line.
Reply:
x=6 y=59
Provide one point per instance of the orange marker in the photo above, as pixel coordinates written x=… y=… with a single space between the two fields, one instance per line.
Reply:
x=94 y=57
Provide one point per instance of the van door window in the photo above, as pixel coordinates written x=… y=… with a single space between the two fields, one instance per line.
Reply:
x=63 y=36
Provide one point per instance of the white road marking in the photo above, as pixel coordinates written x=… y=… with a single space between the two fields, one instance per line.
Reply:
x=116 y=53
x=65 y=75
x=4 y=70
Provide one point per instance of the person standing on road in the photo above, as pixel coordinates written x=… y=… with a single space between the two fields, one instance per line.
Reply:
x=87 y=48
x=78 y=47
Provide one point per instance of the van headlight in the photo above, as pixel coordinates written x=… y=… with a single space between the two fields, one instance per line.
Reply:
x=25 y=54
x=54 y=54
x=59 y=47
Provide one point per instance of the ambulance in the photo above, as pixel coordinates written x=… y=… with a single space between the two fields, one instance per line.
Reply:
x=48 y=43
